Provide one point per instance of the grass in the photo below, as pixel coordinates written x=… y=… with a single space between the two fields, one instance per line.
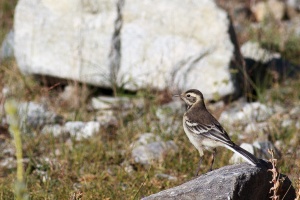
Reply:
x=97 y=168
x=6 y=14
x=61 y=168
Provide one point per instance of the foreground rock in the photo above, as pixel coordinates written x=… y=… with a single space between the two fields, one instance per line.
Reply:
x=231 y=182
x=160 y=48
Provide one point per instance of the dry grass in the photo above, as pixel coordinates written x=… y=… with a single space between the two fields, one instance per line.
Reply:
x=97 y=168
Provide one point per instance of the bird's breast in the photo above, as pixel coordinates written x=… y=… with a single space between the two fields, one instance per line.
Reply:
x=200 y=142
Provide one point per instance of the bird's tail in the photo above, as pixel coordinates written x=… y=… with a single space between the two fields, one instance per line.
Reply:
x=250 y=158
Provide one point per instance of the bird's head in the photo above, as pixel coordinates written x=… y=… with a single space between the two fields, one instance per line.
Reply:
x=192 y=97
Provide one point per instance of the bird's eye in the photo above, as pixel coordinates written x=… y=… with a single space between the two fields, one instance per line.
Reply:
x=188 y=95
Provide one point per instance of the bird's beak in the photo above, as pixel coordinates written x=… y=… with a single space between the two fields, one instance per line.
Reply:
x=178 y=95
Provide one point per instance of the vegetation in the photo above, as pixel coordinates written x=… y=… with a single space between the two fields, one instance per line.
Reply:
x=101 y=167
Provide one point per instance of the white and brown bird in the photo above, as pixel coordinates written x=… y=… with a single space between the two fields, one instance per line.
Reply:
x=205 y=132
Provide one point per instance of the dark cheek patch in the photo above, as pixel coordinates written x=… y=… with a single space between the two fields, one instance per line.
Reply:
x=193 y=99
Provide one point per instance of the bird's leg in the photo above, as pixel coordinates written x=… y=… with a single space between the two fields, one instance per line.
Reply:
x=213 y=159
x=199 y=166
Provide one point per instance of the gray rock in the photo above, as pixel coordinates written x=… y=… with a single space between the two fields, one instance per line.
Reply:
x=287 y=123
x=262 y=149
x=298 y=125
x=65 y=39
x=257 y=128
x=33 y=115
x=253 y=51
x=233 y=182
x=244 y=113
x=81 y=130
x=153 y=152
x=160 y=48
x=55 y=129
x=259 y=149
x=8 y=163
x=166 y=176
x=273 y=9
x=278 y=109
x=175 y=106
x=295 y=112
x=11 y=162
x=168 y=124
x=105 y=103
x=77 y=129
x=6 y=91
x=144 y=139
x=294 y=4
x=107 y=118
x=7 y=47
x=128 y=168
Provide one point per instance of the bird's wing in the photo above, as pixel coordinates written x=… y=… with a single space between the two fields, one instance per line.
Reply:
x=211 y=131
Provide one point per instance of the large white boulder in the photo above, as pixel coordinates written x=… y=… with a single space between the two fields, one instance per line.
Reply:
x=65 y=39
x=175 y=43
x=164 y=44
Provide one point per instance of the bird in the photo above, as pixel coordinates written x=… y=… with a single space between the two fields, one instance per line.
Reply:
x=205 y=132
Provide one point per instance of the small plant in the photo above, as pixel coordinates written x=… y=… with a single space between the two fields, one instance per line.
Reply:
x=276 y=180
x=76 y=195
x=20 y=187
x=298 y=189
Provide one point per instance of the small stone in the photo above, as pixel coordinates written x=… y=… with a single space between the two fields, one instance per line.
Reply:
x=298 y=125
x=127 y=167
x=7 y=47
x=11 y=162
x=245 y=113
x=77 y=186
x=106 y=118
x=174 y=106
x=166 y=176
x=155 y=151
x=256 y=127
x=295 y=112
x=267 y=9
x=70 y=96
x=262 y=150
x=144 y=139
x=259 y=149
x=294 y=141
x=82 y=130
x=8 y=149
x=253 y=51
x=279 y=144
x=8 y=163
x=279 y=109
x=105 y=103
x=287 y=123
x=295 y=4
x=55 y=129
x=77 y=129
x=6 y=91
x=33 y=115
x=43 y=175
